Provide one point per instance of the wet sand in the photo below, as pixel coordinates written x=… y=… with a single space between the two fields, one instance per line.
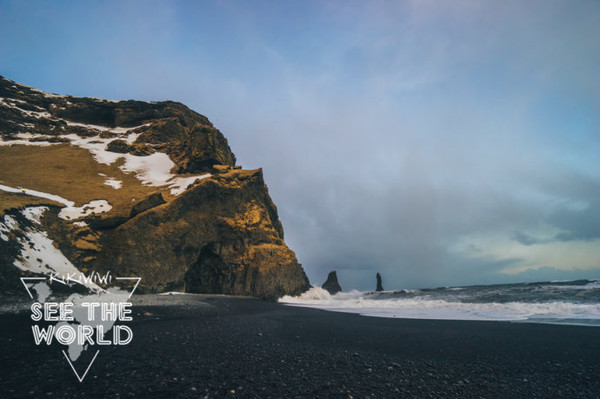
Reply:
x=215 y=346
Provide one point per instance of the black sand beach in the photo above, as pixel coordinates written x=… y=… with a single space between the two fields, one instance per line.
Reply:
x=212 y=346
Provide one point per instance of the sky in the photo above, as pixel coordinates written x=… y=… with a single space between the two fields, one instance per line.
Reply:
x=439 y=143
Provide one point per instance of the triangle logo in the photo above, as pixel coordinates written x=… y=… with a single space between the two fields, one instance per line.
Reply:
x=92 y=316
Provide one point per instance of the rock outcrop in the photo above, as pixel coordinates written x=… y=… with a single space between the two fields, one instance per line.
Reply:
x=218 y=232
x=190 y=139
x=331 y=284
x=379 y=286
x=149 y=202
x=222 y=236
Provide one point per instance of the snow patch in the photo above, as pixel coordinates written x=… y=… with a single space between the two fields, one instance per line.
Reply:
x=9 y=143
x=7 y=226
x=151 y=170
x=117 y=130
x=131 y=137
x=180 y=184
x=34 y=214
x=114 y=183
x=36 y=114
x=95 y=206
x=38 y=253
x=28 y=136
x=37 y=194
x=45 y=94
x=70 y=211
x=16 y=100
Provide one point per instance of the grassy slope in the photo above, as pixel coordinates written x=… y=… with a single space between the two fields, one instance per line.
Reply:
x=68 y=171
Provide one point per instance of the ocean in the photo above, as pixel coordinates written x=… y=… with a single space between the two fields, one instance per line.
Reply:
x=556 y=302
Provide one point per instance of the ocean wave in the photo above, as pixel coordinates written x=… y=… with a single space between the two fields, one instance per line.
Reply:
x=453 y=308
x=591 y=285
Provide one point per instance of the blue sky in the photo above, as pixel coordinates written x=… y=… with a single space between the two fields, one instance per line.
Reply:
x=435 y=142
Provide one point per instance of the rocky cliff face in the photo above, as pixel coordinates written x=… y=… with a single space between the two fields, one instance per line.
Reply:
x=220 y=236
x=190 y=139
x=137 y=189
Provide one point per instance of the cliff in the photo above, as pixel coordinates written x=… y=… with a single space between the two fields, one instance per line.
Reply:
x=137 y=189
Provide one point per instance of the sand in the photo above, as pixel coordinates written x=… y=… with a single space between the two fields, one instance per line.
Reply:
x=217 y=346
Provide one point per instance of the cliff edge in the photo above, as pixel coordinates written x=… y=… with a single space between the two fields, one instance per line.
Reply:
x=146 y=189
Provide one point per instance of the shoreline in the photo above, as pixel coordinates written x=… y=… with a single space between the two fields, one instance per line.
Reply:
x=221 y=346
x=545 y=321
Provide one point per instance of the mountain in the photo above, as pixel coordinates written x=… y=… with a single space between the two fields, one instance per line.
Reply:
x=146 y=189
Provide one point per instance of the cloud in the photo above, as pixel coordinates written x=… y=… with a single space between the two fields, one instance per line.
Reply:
x=437 y=143
x=526 y=239
x=578 y=224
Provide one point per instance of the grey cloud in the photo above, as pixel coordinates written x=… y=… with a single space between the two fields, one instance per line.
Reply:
x=578 y=225
x=527 y=239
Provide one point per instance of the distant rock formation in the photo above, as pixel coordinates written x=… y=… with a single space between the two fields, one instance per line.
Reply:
x=379 y=286
x=332 y=285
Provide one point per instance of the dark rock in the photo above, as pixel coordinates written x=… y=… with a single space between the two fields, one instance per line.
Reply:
x=331 y=284
x=379 y=286
x=105 y=222
x=141 y=149
x=122 y=147
x=194 y=148
x=149 y=202
x=118 y=146
x=107 y=135
x=222 y=235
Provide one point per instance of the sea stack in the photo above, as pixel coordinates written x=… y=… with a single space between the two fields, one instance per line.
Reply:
x=331 y=285
x=379 y=286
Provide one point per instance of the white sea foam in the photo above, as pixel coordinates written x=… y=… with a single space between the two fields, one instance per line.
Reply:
x=313 y=295
x=425 y=308
x=588 y=286
x=174 y=293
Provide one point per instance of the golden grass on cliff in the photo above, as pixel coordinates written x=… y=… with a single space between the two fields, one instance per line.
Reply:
x=70 y=172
